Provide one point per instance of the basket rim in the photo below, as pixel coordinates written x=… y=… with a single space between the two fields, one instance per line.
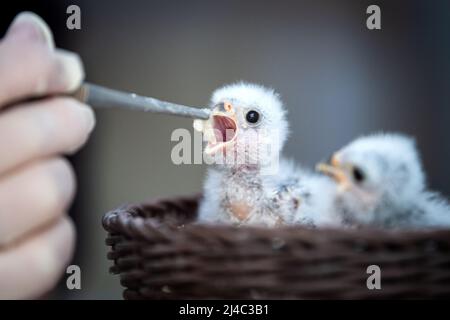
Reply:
x=126 y=221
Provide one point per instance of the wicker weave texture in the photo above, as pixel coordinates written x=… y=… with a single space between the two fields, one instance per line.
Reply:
x=160 y=253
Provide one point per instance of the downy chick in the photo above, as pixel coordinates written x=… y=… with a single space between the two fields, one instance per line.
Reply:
x=380 y=182
x=248 y=183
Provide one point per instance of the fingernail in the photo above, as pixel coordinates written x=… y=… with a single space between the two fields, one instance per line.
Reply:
x=64 y=181
x=89 y=117
x=70 y=72
x=57 y=249
x=33 y=27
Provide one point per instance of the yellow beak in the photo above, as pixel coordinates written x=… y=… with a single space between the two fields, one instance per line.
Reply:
x=335 y=171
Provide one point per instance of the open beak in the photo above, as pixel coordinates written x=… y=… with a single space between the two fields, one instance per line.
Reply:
x=335 y=170
x=220 y=129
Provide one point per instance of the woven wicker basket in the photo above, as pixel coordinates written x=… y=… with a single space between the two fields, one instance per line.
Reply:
x=160 y=254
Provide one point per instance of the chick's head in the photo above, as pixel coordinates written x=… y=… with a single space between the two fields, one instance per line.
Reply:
x=376 y=170
x=247 y=126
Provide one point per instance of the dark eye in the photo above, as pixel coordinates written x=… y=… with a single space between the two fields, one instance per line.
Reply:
x=252 y=116
x=358 y=174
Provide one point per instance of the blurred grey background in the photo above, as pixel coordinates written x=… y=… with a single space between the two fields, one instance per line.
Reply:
x=337 y=78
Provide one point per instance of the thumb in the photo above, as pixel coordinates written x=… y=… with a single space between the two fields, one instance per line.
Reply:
x=30 y=26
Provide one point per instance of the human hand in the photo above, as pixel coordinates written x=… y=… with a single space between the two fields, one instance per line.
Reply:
x=36 y=183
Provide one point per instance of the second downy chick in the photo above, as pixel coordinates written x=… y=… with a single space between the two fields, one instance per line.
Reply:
x=380 y=182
